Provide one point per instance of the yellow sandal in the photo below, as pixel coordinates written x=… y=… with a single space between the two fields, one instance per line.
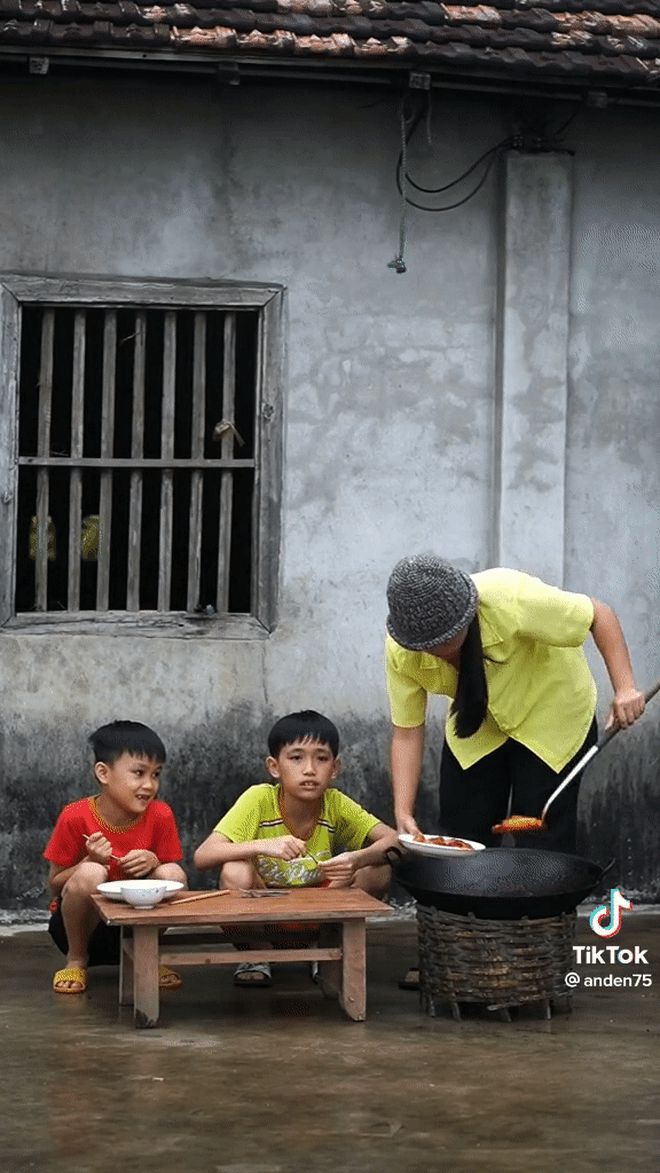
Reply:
x=72 y=973
x=169 y=979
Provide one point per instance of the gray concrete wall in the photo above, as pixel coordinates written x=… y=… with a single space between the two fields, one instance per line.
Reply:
x=390 y=416
x=613 y=456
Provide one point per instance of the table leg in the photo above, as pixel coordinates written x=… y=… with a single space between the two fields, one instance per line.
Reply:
x=330 y=971
x=125 y=969
x=145 y=975
x=353 y=995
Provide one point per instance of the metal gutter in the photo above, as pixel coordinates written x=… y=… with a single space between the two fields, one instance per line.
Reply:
x=233 y=70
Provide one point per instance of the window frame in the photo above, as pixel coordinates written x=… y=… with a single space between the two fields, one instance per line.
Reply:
x=87 y=291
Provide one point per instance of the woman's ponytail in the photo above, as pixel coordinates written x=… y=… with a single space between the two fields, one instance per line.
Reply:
x=469 y=707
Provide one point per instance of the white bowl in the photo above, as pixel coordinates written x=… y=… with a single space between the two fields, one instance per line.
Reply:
x=143 y=893
x=112 y=888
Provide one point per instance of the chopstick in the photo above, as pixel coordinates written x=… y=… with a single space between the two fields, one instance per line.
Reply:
x=257 y=893
x=202 y=896
x=116 y=858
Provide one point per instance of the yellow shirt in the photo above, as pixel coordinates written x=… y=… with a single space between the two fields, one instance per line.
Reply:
x=343 y=825
x=540 y=689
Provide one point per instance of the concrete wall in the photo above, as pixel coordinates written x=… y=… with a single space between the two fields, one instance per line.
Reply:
x=392 y=419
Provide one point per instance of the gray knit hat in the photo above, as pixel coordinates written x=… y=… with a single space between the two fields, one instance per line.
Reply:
x=430 y=601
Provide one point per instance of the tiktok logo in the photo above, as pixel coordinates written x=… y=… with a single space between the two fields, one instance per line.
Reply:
x=606 y=919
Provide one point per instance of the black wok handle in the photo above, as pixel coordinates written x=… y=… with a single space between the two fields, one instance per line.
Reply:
x=393 y=855
x=610 y=733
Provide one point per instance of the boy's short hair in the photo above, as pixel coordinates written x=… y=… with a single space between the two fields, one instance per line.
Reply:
x=111 y=741
x=304 y=726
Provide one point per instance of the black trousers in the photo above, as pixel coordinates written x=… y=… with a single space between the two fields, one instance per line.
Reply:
x=473 y=800
x=103 y=943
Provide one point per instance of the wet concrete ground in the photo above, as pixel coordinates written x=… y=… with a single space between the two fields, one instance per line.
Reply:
x=276 y=1081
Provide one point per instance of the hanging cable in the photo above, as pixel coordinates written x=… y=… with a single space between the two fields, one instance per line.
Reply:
x=454 y=182
x=524 y=140
x=403 y=178
x=555 y=134
x=459 y=203
x=398 y=263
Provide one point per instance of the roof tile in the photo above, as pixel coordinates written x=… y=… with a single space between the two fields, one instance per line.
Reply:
x=585 y=39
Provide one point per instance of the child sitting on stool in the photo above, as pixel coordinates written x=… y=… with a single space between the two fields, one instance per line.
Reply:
x=301 y=831
x=125 y=832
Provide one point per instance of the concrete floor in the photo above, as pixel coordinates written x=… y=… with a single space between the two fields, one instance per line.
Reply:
x=276 y=1081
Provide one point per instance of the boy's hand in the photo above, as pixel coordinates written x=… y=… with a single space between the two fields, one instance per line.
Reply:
x=138 y=863
x=340 y=870
x=99 y=849
x=287 y=847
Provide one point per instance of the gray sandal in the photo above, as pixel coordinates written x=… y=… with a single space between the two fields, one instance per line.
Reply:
x=253 y=973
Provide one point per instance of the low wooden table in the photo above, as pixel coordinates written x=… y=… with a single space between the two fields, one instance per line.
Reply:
x=341 y=951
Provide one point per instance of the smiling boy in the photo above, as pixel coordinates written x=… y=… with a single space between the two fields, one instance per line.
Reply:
x=300 y=831
x=122 y=832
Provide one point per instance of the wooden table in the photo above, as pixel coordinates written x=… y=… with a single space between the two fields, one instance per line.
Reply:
x=340 y=952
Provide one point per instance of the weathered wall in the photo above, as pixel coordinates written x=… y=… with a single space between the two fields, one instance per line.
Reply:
x=389 y=416
x=613 y=459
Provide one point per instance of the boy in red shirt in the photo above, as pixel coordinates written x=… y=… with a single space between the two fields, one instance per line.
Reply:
x=124 y=832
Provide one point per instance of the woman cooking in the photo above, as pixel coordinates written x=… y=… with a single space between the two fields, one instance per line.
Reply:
x=508 y=649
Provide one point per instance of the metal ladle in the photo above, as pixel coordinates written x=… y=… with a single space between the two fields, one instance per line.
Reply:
x=518 y=823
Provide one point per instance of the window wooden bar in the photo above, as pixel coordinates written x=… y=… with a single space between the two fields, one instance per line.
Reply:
x=75 y=489
x=262 y=419
x=107 y=440
x=137 y=448
x=227 y=451
x=127 y=462
x=102 y=291
x=151 y=623
x=43 y=447
x=268 y=461
x=10 y=324
x=196 y=451
x=167 y=451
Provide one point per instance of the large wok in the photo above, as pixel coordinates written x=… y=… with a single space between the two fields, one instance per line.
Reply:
x=499 y=883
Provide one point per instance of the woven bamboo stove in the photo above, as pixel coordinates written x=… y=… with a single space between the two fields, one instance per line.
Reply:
x=498 y=964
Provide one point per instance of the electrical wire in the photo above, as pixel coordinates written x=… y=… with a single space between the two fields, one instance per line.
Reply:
x=454 y=182
x=555 y=134
x=404 y=180
x=469 y=196
x=398 y=262
x=402 y=174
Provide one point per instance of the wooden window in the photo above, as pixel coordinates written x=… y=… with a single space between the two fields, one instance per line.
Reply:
x=140 y=440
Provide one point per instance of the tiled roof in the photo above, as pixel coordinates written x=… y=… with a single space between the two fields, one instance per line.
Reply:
x=594 y=41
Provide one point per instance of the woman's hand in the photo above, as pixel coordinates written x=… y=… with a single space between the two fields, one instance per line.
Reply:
x=99 y=849
x=406 y=825
x=340 y=870
x=287 y=847
x=138 y=863
x=627 y=706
